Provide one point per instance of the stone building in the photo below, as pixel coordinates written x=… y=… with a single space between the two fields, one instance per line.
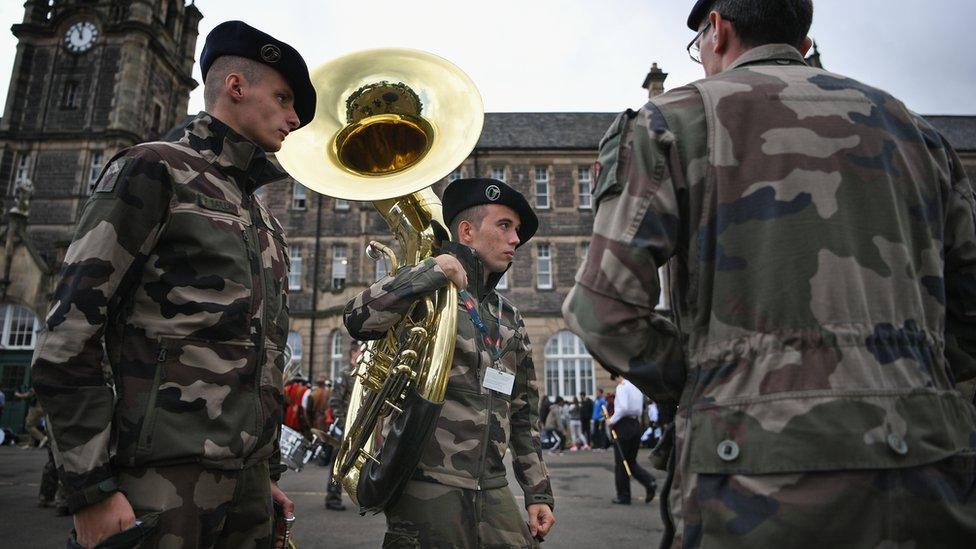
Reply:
x=92 y=77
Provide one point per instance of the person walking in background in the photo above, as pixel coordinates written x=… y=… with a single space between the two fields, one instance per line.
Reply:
x=35 y=413
x=338 y=406
x=598 y=433
x=576 y=427
x=553 y=426
x=585 y=415
x=317 y=409
x=625 y=421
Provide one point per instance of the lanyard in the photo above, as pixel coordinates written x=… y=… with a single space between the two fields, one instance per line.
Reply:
x=493 y=346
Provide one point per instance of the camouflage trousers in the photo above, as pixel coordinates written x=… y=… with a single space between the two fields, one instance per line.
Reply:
x=434 y=516
x=201 y=507
x=34 y=416
x=928 y=506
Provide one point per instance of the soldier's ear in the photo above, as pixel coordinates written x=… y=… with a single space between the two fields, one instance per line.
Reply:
x=720 y=30
x=466 y=232
x=234 y=87
x=805 y=47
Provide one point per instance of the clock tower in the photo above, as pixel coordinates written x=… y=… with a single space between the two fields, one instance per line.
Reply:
x=90 y=78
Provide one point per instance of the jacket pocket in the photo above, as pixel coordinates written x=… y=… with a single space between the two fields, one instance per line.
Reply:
x=202 y=406
x=270 y=403
x=144 y=443
x=829 y=430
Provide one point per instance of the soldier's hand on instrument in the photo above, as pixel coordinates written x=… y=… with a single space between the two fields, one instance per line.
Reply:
x=281 y=499
x=453 y=269
x=541 y=519
x=100 y=520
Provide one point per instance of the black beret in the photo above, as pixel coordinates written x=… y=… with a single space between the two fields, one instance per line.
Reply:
x=699 y=12
x=465 y=193
x=240 y=39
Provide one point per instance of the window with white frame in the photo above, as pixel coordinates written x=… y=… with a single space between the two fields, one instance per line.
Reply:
x=340 y=263
x=585 y=181
x=341 y=204
x=456 y=174
x=584 y=251
x=542 y=187
x=295 y=345
x=295 y=272
x=568 y=366
x=299 y=197
x=498 y=173
x=502 y=282
x=382 y=267
x=19 y=327
x=23 y=168
x=337 y=358
x=95 y=169
x=543 y=267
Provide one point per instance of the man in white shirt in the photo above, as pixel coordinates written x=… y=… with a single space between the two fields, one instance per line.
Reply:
x=627 y=406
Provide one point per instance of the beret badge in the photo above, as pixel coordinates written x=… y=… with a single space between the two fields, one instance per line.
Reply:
x=270 y=53
x=492 y=192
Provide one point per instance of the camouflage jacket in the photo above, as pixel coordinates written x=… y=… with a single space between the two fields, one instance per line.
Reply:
x=822 y=257
x=477 y=425
x=181 y=272
x=339 y=400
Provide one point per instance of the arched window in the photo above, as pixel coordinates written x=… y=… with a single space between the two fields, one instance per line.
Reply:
x=19 y=327
x=295 y=345
x=337 y=358
x=569 y=368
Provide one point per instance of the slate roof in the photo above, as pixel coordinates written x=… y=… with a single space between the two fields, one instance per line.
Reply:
x=583 y=130
x=959 y=130
x=544 y=130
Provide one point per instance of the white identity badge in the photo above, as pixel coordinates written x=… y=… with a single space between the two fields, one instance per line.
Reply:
x=499 y=381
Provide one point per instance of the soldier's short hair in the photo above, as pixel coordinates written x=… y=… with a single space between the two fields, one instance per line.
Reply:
x=251 y=70
x=475 y=215
x=760 y=22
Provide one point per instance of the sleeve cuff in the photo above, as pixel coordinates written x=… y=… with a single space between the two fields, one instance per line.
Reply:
x=276 y=471
x=91 y=495
x=532 y=499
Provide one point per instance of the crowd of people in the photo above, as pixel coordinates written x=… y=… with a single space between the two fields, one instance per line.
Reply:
x=580 y=423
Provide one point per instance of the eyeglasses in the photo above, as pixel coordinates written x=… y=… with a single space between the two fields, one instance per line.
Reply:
x=694 y=47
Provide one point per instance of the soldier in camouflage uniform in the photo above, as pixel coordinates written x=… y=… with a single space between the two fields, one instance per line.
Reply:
x=822 y=245
x=458 y=496
x=339 y=402
x=181 y=272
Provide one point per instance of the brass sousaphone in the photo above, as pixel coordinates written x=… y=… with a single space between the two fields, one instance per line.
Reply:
x=389 y=123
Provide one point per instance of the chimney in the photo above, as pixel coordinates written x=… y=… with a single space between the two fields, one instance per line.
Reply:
x=654 y=81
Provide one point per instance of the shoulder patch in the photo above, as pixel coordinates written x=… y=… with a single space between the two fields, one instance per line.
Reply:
x=216 y=204
x=110 y=176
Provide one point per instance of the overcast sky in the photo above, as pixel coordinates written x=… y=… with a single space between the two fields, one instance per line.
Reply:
x=579 y=55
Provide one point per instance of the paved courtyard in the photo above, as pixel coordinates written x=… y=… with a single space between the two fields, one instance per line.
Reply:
x=582 y=483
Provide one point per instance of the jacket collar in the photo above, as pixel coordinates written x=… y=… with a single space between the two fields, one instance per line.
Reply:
x=478 y=285
x=783 y=54
x=238 y=156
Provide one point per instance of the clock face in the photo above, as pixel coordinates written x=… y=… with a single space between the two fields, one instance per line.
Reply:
x=80 y=37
